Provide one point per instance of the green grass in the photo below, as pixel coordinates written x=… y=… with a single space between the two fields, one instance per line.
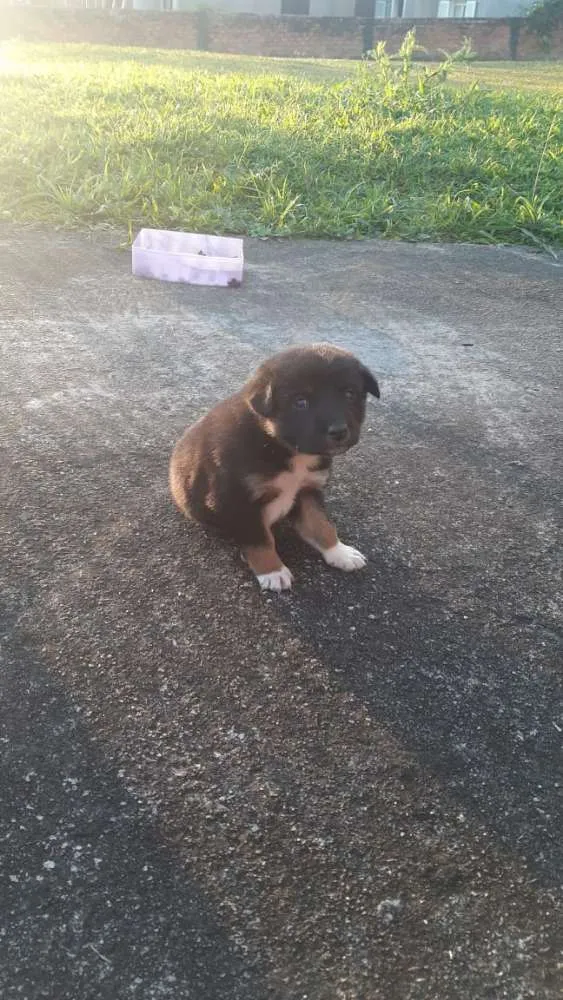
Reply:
x=132 y=137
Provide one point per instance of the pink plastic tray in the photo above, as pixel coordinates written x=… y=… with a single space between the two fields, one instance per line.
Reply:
x=190 y=257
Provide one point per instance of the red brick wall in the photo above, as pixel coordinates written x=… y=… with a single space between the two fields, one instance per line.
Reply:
x=323 y=37
x=490 y=39
x=326 y=37
x=158 y=29
x=532 y=47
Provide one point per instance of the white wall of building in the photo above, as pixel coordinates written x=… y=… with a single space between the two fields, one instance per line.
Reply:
x=420 y=8
x=503 y=8
x=331 y=8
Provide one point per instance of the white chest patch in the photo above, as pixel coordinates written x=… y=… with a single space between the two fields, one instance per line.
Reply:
x=302 y=473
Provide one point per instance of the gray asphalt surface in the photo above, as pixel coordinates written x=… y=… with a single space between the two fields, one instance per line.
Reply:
x=351 y=792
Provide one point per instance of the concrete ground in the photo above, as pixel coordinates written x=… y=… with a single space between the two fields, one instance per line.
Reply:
x=351 y=792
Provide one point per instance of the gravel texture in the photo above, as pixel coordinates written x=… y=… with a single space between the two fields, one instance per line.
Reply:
x=349 y=792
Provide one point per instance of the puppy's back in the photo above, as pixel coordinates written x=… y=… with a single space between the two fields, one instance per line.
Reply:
x=197 y=455
x=211 y=461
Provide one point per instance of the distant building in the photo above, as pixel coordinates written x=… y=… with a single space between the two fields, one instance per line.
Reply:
x=349 y=8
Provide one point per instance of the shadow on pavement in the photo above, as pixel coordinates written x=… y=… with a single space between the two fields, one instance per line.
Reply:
x=310 y=755
x=93 y=904
x=454 y=692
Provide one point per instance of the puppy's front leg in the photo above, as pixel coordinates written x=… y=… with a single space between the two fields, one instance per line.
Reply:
x=265 y=562
x=315 y=528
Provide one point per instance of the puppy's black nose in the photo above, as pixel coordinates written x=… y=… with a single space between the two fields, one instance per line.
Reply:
x=338 y=432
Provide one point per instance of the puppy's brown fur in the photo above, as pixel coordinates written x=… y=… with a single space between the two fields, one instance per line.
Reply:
x=266 y=453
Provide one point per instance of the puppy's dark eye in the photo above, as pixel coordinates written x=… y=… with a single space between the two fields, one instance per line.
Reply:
x=301 y=403
x=350 y=394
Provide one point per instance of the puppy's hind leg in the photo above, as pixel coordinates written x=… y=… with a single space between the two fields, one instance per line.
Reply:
x=314 y=527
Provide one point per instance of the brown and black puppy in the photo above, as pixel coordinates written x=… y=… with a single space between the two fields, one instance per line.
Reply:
x=266 y=453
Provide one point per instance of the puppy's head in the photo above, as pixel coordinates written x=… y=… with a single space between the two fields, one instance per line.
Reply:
x=312 y=399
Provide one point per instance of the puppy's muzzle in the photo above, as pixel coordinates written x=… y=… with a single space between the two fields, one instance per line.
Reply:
x=338 y=434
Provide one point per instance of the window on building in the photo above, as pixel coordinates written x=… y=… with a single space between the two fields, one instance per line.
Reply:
x=295 y=6
x=453 y=8
x=375 y=8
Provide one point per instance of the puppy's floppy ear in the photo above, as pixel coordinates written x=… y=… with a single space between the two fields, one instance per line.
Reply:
x=370 y=382
x=261 y=400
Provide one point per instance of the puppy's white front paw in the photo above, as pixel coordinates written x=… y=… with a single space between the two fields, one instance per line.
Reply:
x=280 y=579
x=344 y=557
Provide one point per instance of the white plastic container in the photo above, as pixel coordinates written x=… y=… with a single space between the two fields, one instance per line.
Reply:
x=190 y=257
